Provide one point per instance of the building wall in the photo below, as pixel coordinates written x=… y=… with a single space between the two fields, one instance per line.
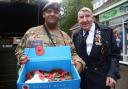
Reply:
x=114 y=13
x=8 y=65
x=98 y=3
x=105 y=4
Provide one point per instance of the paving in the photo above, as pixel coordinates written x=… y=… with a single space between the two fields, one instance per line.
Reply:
x=122 y=83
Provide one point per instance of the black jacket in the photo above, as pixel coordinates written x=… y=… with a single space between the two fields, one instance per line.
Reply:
x=103 y=60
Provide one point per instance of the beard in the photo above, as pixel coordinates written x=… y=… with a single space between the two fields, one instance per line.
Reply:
x=52 y=25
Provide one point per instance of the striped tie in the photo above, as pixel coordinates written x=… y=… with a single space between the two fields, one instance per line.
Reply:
x=85 y=36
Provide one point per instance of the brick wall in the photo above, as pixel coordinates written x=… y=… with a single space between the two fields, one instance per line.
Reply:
x=8 y=74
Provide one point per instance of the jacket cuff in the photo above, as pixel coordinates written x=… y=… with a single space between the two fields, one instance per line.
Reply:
x=115 y=77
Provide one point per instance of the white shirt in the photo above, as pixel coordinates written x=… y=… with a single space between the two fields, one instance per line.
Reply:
x=90 y=38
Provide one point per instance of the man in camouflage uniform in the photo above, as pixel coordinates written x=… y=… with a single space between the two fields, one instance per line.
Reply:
x=47 y=34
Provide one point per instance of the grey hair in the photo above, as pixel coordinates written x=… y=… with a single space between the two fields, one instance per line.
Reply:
x=85 y=9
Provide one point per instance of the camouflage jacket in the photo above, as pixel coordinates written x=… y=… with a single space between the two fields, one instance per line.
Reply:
x=38 y=35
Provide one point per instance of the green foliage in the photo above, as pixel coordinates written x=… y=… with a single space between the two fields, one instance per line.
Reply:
x=72 y=7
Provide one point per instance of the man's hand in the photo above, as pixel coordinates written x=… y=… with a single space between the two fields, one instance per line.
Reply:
x=23 y=60
x=78 y=66
x=110 y=82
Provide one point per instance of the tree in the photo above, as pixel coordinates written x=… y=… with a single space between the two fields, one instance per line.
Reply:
x=72 y=7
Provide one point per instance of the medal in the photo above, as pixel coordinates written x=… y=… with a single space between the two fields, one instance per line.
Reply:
x=98 y=38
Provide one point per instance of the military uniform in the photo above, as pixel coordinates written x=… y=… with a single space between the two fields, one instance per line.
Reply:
x=38 y=35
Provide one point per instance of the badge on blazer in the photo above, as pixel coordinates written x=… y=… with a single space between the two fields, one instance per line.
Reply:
x=98 y=38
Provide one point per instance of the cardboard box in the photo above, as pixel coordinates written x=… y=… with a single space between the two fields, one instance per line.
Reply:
x=53 y=57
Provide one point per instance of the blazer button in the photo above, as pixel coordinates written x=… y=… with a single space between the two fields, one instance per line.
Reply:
x=95 y=68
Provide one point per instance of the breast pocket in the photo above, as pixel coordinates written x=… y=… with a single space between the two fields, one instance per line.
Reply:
x=34 y=43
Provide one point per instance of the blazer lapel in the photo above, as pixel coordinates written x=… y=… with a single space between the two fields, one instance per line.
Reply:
x=95 y=47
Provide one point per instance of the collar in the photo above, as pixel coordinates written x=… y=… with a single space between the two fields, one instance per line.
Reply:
x=92 y=29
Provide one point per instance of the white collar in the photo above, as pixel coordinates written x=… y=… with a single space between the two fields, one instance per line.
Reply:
x=92 y=29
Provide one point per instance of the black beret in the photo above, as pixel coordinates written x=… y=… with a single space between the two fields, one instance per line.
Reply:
x=52 y=5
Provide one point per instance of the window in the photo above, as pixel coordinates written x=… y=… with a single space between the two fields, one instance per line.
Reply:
x=118 y=33
x=126 y=33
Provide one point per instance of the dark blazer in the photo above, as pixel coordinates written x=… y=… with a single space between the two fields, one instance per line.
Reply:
x=103 y=60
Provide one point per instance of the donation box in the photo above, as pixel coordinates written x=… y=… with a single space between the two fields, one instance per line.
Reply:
x=53 y=58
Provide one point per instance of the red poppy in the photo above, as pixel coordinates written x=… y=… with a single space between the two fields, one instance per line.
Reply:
x=54 y=75
x=29 y=76
x=41 y=76
x=25 y=87
x=39 y=50
x=36 y=71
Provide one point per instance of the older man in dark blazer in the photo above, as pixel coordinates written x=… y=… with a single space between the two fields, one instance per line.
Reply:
x=97 y=46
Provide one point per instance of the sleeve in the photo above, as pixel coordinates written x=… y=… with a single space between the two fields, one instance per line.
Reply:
x=19 y=52
x=77 y=58
x=114 y=59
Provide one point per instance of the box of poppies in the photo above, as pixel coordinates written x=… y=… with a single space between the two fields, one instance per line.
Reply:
x=51 y=70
